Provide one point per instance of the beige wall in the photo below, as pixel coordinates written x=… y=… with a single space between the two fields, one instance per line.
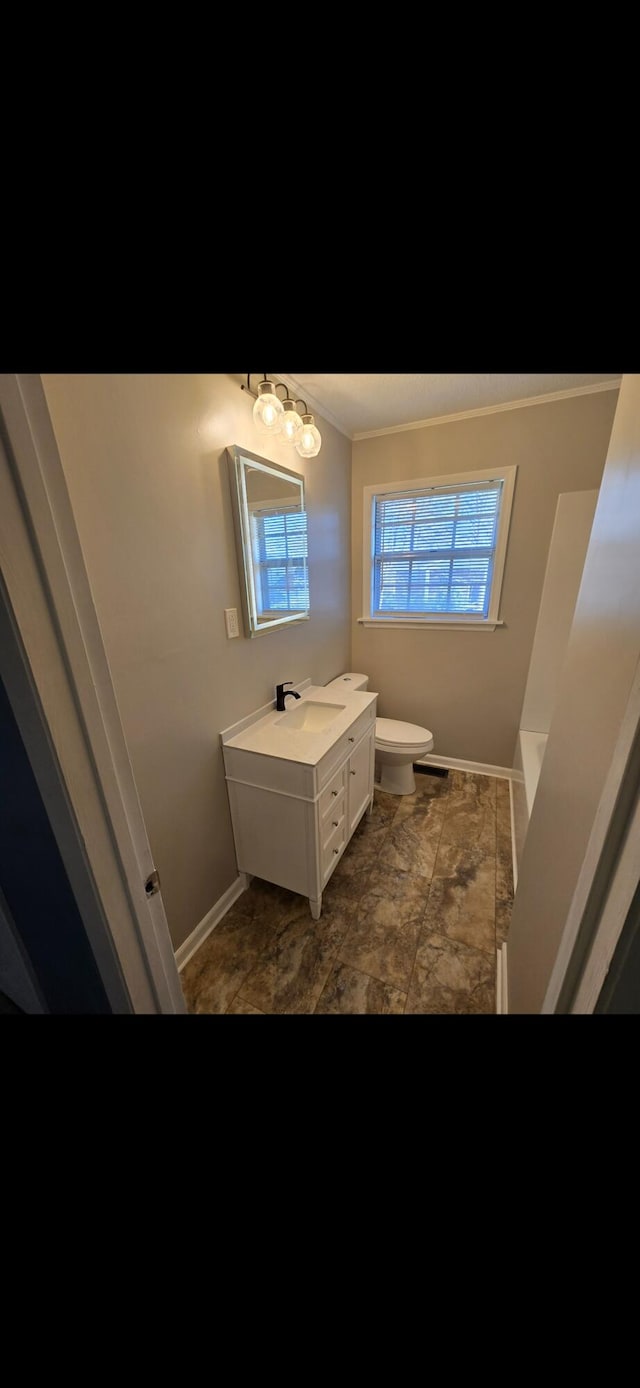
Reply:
x=468 y=686
x=145 y=463
x=563 y=575
x=595 y=685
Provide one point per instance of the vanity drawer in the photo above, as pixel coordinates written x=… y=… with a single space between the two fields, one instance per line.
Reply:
x=332 y=797
x=332 y=849
x=345 y=744
x=333 y=823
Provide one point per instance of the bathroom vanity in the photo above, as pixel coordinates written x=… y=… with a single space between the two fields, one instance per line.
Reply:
x=299 y=783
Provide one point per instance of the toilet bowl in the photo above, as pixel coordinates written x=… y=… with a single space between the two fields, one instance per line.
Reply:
x=397 y=744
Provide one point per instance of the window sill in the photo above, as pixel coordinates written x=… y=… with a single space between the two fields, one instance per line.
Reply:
x=432 y=626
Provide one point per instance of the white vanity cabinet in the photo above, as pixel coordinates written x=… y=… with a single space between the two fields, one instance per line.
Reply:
x=294 y=813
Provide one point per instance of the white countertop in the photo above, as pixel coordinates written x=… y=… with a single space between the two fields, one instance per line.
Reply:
x=270 y=738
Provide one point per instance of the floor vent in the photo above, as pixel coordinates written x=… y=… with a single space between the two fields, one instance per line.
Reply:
x=431 y=770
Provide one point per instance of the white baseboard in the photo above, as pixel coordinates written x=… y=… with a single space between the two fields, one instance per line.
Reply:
x=482 y=768
x=502 y=994
x=208 y=923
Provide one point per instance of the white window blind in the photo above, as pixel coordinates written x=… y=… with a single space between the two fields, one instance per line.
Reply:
x=281 y=572
x=434 y=550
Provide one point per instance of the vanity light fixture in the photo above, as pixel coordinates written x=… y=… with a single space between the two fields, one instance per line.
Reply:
x=276 y=416
x=308 y=445
x=292 y=422
x=267 y=411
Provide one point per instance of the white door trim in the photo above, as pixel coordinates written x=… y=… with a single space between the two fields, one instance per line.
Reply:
x=622 y=889
x=48 y=586
x=601 y=855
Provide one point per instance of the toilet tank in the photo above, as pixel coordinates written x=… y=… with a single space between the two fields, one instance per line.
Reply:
x=350 y=680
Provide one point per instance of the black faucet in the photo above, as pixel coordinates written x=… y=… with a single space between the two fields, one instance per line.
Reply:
x=281 y=695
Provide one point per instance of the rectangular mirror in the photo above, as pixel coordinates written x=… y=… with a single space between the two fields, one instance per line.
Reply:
x=271 y=538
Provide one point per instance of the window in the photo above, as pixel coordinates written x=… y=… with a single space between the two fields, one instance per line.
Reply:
x=435 y=550
x=279 y=543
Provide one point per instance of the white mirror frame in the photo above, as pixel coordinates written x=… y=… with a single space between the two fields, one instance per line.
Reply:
x=239 y=460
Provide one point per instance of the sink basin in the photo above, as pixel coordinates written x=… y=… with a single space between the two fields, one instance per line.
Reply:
x=309 y=716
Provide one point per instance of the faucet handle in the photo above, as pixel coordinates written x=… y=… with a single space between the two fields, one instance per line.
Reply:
x=280 y=694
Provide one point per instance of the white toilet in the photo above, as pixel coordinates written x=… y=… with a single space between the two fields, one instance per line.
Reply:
x=397 y=745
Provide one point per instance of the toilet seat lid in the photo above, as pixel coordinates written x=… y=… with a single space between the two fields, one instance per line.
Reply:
x=392 y=733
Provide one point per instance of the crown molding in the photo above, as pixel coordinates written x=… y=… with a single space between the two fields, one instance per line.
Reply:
x=303 y=394
x=490 y=409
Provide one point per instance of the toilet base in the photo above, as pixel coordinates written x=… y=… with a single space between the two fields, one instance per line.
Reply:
x=397 y=779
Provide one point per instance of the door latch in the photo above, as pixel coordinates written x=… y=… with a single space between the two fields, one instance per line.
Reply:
x=152 y=884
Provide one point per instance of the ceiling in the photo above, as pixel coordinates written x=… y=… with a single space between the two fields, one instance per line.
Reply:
x=361 y=404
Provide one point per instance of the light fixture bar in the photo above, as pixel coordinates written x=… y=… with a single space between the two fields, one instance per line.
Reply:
x=254 y=394
x=248 y=389
x=307 y=439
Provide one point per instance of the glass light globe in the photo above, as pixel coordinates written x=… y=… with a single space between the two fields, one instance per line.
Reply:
x=267 y=411
x=291 y=424
x=308 y=444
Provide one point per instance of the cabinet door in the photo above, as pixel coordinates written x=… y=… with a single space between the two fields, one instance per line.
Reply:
x=275 y=837
x=360 y=778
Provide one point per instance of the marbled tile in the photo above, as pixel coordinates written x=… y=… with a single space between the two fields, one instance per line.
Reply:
x=262 y=902
x=504 y=895
x=503 y=920
x=213 y=976
x=472 y=786
x=263 y=899
x=291 y=972
x=430 y=784
x=462 y=898
x=347 y=884
x=382 y=797
x=379 y=917
x=471 y=791
x=503 y=809
x=240 y=1006
x=363 y=848
x=397 y=886
x=504 y=862
x=412 y=841
x=471 y=811
x=349 y=991
x=427 y=788
x=385 y=807
x=368 y=838
x=450 y=977
x=383 y=935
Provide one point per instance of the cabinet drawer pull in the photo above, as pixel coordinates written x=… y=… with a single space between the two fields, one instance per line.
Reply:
x=335 y=823
x=353 y=773
x=336 y=850
x=352 y=739
x=334 y=792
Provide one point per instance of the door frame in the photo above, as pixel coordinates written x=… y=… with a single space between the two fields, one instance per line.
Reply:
x=57 y=628
x=616 y=833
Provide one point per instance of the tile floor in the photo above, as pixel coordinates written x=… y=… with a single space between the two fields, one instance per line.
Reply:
x=410 y=922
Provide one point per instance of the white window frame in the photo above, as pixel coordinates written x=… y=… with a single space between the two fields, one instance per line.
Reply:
x=448 y=620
